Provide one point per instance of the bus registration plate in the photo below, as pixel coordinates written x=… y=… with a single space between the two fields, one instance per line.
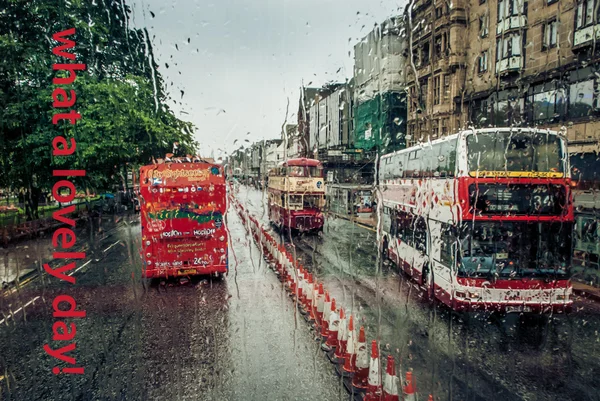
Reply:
x=187 y=271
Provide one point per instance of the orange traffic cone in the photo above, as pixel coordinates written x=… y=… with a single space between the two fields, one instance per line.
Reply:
x=342 y=338
x=350 y=355
x=390 y=382
x=309 y=293
x=325 y=316
x=361 y=376
x=410 y=389
x=298 y=285
x=374 y=381
x=292 y=285
x=313 y=308
x=303 y=288
x=334 y=322
x=318 y=306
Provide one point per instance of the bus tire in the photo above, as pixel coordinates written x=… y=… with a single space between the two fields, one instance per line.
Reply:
x=428 y=285
x=431 y=293
x=385 y=249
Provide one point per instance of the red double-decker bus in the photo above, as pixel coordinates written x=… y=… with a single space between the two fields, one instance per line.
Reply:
x=183 y=206
x=297 y=195
x=483 y=219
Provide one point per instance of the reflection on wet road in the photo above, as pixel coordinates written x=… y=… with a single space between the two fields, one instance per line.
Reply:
x=166 y=340
x=454 y=357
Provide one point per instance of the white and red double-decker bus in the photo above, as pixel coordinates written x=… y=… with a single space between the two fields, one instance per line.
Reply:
x=297 y=195
x=483 y=219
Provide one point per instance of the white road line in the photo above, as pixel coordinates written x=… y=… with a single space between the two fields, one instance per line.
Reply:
x=21 y=308
x=80 y=267
x=111 y=246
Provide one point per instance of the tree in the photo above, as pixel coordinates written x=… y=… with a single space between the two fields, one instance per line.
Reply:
x=121 y=99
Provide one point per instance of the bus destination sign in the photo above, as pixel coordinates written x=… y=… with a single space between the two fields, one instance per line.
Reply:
x=535 y=199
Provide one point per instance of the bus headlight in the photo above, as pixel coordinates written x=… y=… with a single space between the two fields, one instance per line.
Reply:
x=460 y=294
x=222 y=238
x=149 y=262
x=148 y=255
x=148 y=243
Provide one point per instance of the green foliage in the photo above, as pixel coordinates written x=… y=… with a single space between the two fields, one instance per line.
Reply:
x=124 y=122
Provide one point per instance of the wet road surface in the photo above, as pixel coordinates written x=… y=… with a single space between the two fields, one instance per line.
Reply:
x=237 y=339
x=454 y=357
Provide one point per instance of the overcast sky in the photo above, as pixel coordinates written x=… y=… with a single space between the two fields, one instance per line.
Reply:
x=245 y=58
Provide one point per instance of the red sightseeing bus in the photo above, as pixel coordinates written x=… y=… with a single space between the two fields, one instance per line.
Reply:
x=182 y=215
x=297 y=195
x=483 y=219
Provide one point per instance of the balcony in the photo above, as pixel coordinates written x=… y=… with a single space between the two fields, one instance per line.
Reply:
x=513 y=63
x=584 y=36
x=424 y=70
x=514 y=22
x=441 y=21
x=421 y=30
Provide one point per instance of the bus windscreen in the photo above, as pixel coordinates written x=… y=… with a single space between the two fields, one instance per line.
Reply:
x=490 y=153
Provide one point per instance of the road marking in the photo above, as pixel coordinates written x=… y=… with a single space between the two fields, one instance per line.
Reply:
x=21 y=308
x=80 y=267
x=365 y=226
x=111 y=246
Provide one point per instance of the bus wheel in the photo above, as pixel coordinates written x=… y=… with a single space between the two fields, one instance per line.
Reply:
x=431 y=293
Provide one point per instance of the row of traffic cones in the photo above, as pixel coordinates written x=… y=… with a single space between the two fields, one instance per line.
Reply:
x=333 y=328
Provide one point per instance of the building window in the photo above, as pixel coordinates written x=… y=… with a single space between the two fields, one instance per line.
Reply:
x=438 y=46
x=584 y=14
x=549 y=35
x=436 y=90
x=446 y=87
x=483 y=61
x=416 y=57
x=435 y=129
x=507 y=109
x=425 y=54
x=441 y=45
x=484 y=26
x=510 y=8
x=439 y=11
x=548 y=103
x=581 y=98
x=424 y=93
x=481 y=1
x=509 y=46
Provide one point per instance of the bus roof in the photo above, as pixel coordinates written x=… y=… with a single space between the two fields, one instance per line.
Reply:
x=472 y=131
x=177 y=163
x=180 y=173
x=301 y=162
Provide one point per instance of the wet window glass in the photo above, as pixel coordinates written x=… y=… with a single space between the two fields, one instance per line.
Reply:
x=292 y=200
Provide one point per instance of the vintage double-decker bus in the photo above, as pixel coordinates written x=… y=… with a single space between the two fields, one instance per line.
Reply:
x=483 y=219
x=182 y=216
x=297 y=195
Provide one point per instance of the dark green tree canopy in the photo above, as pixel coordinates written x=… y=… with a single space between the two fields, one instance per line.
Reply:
x=124 y=117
